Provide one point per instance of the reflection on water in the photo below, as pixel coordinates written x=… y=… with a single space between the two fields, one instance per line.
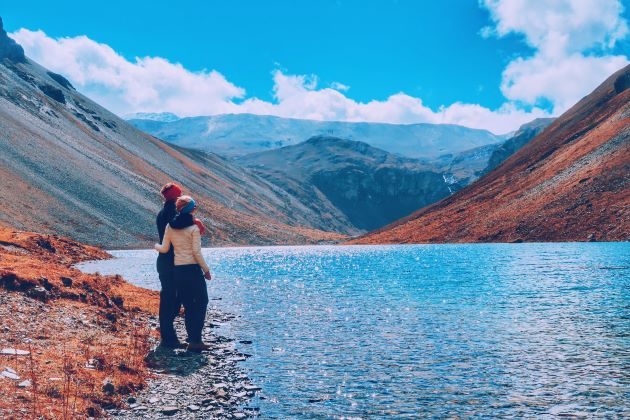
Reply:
x=464 y=330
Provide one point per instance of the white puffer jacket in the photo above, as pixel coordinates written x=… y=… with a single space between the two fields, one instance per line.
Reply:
x=186 y=244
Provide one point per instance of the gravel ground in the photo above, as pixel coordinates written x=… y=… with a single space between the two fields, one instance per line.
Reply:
x=191 y=385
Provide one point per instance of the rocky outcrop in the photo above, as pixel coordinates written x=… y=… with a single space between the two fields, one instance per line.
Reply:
x=350 y=181
x=463 y=168
x=372 y=197
x=522 y=136
x=53 y=92
x=9 y=49
x=570 y=183
x=60 y=79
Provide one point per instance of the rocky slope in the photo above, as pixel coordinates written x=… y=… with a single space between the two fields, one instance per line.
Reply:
x=240 y=134
x=523 y=135
x=70 y=343
x=462 y=169
x=68 y=166
x=354 y=187
x=350 y=182
x=77 y=345
x=568 y=184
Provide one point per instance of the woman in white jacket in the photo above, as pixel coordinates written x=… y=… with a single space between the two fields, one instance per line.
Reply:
x=184 y=235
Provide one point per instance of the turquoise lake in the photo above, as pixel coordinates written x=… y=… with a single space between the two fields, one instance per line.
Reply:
x=481 y=330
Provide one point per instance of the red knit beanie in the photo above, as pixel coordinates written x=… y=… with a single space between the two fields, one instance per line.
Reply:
x=171 y=191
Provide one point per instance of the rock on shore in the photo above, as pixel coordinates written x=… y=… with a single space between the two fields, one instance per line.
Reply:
x=195 y=385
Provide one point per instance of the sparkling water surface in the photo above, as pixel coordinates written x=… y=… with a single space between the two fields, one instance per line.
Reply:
x=480 y=330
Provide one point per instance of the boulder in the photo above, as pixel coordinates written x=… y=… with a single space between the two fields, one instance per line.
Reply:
x=14 y=352
x=39 y=293
x=10 y=374
x=169 y=410
x=108 y=387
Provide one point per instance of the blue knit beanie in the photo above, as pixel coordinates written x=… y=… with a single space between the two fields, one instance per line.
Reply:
x=188 y=207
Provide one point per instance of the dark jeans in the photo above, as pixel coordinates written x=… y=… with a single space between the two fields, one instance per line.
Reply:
x=169 y=301
x=191 y=289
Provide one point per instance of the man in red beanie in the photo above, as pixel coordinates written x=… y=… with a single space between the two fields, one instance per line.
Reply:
x=169 y=301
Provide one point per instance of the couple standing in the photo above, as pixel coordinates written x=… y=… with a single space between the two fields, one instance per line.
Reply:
x=181 y=268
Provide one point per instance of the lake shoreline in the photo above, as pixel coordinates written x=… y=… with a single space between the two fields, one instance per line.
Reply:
x=192 y=385
x=85 y=344
x=72 y=343
x=451 y=330
x=186 y=384
x=355 y=243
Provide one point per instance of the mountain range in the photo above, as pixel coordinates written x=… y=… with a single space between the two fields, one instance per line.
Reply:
x=316 y=190
x=70 y=167
x=357 y=184
x=349 y=185
x=570 y=183
x=240 y=134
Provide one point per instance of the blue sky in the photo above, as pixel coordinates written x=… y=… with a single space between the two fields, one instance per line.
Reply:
x=430 y=49
x=265 y=52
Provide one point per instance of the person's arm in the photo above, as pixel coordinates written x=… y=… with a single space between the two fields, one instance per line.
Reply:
x=158 y=223
x=196 y=246
x=166 y=242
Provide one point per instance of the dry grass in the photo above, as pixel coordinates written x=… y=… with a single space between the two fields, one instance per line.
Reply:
x=87 y=334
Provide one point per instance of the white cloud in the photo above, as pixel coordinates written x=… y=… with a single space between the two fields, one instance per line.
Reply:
x=563 y=80
x=339 y=86
x=560 y=25
x=300 y=97
x=153 y=84
x=145 y=84
x=570 y=38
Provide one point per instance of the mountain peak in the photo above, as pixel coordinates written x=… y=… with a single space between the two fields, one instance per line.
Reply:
x=537 y=124
x=9 y=48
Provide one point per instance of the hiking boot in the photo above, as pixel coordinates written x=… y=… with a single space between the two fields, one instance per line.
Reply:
x=198 y=347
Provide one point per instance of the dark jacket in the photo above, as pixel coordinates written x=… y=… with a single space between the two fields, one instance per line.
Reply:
x=163 y=218
x=182 y=221
x=169 y=215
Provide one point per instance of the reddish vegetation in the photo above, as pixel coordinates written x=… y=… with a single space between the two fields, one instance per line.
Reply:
x=568 y=184
x=82 y=331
